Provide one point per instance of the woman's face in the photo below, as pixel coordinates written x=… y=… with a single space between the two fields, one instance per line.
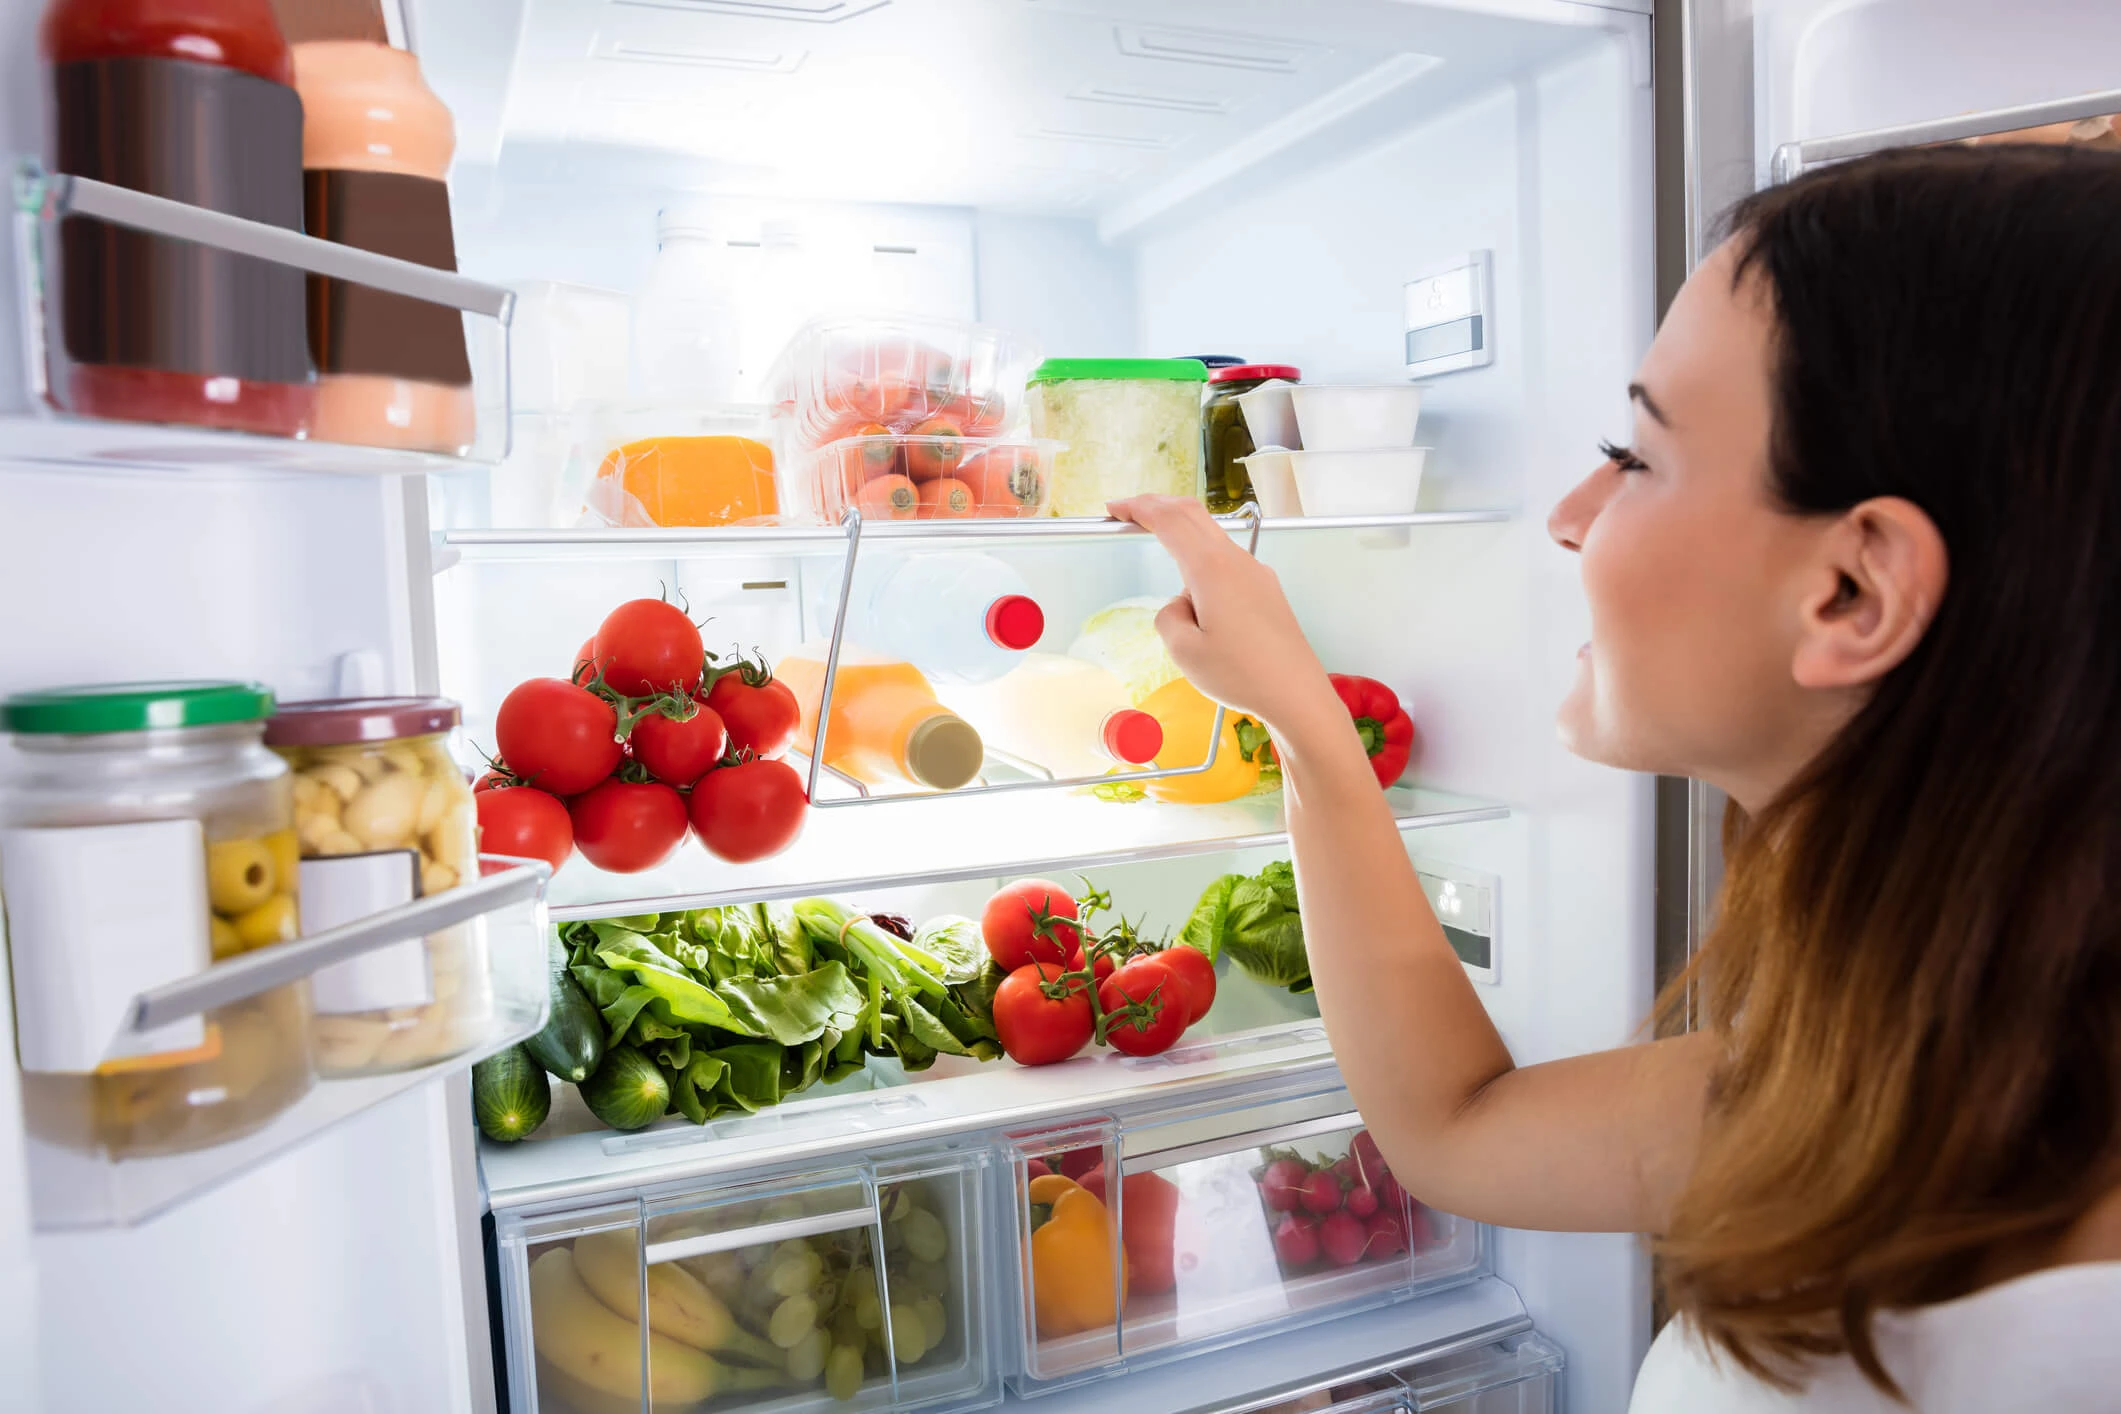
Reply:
x=1695 y=578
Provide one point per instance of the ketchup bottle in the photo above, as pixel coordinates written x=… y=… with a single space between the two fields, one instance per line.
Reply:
x=193 y=100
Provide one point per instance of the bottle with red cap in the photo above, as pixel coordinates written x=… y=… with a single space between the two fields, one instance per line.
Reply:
x=1225 y=441
x=1066 y=715
x=959 y=617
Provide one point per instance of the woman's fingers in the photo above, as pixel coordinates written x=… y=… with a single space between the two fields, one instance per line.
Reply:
x=1184 y=528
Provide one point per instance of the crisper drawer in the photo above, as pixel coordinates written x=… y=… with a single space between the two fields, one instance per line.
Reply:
x=857 y=1288
x=1234 y=1223
x=1520 y=1374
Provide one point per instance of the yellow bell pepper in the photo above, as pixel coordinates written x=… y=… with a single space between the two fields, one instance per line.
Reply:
x=1071 y=1259
x=1186 y=716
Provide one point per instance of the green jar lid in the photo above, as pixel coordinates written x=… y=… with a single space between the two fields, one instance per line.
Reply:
x=1161 y=370
x=135 y=707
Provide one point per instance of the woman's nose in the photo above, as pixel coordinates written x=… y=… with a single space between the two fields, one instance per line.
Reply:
x=1571 y=518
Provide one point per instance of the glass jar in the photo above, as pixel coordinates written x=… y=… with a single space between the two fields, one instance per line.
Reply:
x=149 y=833
x=384 y=816
x=1132 y=426
x=1224 y=439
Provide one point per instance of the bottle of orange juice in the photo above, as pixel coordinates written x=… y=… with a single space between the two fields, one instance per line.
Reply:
x=887 y=727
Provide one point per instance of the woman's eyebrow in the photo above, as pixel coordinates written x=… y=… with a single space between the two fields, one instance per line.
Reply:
x=1641 y=395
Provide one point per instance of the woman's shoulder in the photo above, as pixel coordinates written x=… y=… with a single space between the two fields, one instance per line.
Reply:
x=2045 y=1340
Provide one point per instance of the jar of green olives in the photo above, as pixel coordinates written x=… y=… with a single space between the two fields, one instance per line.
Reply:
x=146 y=833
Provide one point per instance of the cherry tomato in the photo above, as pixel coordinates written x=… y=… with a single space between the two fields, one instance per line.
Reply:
x=1147 y=981
x=559 y=737
x=1036 y=1029
x=1195 y=974
x=678 y=751
x=585 y=659
x=748 y=811
x=625 y=827
x=648 y=646
x=759 y=711
x=526 y=823
x=492 y=780
x=1031 y=920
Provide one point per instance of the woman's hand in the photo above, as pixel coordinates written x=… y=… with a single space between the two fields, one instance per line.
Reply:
x=1231 y=631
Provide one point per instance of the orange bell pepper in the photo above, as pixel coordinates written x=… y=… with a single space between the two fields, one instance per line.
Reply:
x=1072 y=1256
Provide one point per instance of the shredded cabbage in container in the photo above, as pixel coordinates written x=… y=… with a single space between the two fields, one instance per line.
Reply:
x=1125 y=437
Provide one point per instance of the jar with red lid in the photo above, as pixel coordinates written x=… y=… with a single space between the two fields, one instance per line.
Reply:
x=384 y=816
x=1224 y=439
x=192 y=100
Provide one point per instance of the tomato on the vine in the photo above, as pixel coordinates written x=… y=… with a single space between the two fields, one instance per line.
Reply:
x=758 y=709
x=1031 y=920
x=748 y=810
x=628 y=826
x=526 y=823
x=557 y=736
x=1100 y=967
x=1196 y=976
x=1038 y=1029
x=1160 y=998
x=679 y=750
x=647 y=646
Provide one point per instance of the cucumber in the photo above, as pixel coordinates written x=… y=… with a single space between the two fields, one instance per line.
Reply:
x=627 y=1091
x=510 y=1095
x=572 y=1041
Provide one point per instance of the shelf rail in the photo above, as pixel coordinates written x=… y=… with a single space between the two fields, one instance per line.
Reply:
x=1793 y=159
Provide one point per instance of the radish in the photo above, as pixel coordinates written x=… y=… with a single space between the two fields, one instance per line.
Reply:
x=1361 y=1201
x=1296 y=1241
x=1321 y=1193
x=1282 y=1184
x=1383 y=1236
x=1344 y=1238
x=1369 y=1161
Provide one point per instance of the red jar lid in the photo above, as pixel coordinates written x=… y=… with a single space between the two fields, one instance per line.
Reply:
x=1015 y=621
x=1133 y=737
x=1250 y=371
x=344 y=721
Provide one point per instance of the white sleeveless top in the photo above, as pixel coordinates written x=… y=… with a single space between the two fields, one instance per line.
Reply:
x=2048 y=1342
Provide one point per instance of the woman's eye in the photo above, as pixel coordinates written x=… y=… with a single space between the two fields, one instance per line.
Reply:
x=1622 y=457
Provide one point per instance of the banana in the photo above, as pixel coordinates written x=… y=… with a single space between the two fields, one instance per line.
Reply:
x=587 y=1341
x=679 y=1304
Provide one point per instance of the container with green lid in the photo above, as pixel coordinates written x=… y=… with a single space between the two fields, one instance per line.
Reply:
x=1132 y=426
x=146 y=832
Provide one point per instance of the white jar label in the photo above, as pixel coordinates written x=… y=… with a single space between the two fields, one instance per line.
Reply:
x=343 y=889
x=96 y=915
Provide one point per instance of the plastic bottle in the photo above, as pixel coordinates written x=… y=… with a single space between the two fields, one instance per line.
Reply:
x=960 y=617
x=887 y=727
x=687 y=334
x=1062 y=713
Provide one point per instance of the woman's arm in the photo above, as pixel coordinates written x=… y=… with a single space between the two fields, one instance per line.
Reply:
x=1597 y=1142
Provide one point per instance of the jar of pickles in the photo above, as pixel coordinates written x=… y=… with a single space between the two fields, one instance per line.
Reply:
x=384 y=816
x=1225 y=440
x=146 y=833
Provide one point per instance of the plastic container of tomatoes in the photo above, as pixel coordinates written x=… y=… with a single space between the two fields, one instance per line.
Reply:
x=846 y=377
x=923 y=478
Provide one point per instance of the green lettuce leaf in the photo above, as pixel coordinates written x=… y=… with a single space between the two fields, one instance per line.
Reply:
x=1209 y=926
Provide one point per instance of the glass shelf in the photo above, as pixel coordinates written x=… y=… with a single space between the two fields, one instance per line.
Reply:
x=944 y=839
x=501 y=916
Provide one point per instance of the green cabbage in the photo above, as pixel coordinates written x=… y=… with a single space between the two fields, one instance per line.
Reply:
x=1122 y=639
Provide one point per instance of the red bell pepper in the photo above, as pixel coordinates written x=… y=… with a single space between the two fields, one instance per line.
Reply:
x=1387 y=731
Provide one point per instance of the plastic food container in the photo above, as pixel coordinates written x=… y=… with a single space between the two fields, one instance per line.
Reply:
x=384 y=816
x=1131 y=425
x=924 y=478
x=147 y=834
x=1377 y=481
x=643 y=465
x=1354 y=416
x=1270 y=416
x=842 y=378
x=1273 y=476
x=1225 y=439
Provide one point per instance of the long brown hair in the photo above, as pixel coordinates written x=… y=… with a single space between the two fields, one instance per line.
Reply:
x=1917 y=966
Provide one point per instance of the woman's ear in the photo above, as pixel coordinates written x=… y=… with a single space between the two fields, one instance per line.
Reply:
x=1873 y=591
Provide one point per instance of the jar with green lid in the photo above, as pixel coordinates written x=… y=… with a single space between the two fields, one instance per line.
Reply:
x=1132 y=426
x=1224 y=439
x=146 y=833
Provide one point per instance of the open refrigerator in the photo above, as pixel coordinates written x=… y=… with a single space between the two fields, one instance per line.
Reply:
x=1286 y=182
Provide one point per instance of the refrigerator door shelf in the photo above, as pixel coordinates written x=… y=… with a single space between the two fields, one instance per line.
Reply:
x=377 y=424
x=861 y=1287
x=1240 y=1219
x=499 y=921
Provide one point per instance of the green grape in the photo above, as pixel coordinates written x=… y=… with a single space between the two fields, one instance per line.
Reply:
x=806 y=1358
x=791 y=1320
x=843 y=1372
x=935 y=1320
x=846 y=1330
x=909 y=1335
x=859 y=1279
x=795 y=1268
x=868 y=1311
x=926 y=1237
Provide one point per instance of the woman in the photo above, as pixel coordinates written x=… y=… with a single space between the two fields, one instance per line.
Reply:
x=1861 y=568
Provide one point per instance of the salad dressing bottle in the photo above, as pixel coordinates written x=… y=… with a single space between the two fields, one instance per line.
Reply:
x=887 y=727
